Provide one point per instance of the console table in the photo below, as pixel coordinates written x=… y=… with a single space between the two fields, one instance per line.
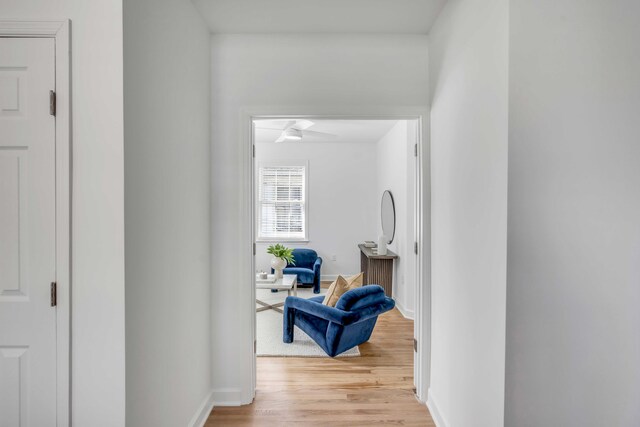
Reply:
x=377 y=269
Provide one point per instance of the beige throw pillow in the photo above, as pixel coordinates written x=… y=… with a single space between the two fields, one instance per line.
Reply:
x=355 y=281
x=340 y=286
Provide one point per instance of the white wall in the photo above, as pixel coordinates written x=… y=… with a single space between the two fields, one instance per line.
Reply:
x=342 y=203
x=277 y=74
x=573 y=346
x=468 y=49
x=97 y=203
x=396 y=172
x=167 y=212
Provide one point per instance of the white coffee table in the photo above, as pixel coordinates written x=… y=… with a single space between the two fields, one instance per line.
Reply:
x=288 y=282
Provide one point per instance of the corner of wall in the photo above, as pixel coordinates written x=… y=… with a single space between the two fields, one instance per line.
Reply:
x=228 y=396
x=437 y=417
x=202 y=414
x=408 y=314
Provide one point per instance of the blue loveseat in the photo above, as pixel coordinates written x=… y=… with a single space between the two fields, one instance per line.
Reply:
x=307 y=268
x=337 y=329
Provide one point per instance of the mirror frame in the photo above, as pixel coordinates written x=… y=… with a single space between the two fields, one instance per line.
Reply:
x=393 y=206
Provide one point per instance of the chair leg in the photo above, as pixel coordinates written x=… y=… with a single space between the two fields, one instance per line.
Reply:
x=288 y=324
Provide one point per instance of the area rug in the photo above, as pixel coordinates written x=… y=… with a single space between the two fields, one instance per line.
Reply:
x=269 y=331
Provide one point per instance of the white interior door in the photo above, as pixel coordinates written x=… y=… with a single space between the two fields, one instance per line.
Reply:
x=27 y=233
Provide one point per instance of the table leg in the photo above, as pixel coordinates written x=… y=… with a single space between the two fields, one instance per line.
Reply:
x=266 y=306
x=276 y=307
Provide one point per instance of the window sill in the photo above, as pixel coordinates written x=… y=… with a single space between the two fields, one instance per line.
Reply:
x=282 y=240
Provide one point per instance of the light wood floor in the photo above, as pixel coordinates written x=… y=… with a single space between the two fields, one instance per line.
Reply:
x=374 y=389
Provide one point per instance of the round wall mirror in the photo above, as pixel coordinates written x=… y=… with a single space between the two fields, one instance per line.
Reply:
x=388 y=214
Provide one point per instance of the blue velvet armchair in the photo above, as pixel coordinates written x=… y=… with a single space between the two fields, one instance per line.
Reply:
x=337 y=329
x=307 y=268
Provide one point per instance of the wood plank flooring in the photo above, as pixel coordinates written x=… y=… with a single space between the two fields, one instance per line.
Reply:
x=371 y=390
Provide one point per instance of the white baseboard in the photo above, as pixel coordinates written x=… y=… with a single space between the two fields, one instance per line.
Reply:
x=408 y=314
x=227 y=397
x=203 y=411
x=438 y=419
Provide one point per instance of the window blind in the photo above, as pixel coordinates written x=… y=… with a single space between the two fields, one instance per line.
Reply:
x=281 y=199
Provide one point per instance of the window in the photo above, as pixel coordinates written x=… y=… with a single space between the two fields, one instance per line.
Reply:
x=282 y=199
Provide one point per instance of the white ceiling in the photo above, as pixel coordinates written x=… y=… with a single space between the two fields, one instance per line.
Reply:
x=320 y=16
x=348 y=131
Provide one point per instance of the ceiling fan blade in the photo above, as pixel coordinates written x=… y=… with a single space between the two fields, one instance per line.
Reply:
x=281 y=125
x=282 y=138
x=319 y=134
x=302 y=124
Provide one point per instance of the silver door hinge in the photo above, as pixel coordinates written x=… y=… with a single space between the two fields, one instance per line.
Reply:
x=415 y=150
x=254 y=248
x=253 y=150
x=54 y=294
x=52 y=103
x=415 y=345
x=415 y=247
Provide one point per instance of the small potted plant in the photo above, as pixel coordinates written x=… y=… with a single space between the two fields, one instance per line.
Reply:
x=281 y=257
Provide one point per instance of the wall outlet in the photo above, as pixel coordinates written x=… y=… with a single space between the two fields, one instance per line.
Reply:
x=334 y=258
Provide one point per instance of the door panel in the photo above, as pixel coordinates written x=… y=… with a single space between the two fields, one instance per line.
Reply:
x=13 y=272
x=27 y=233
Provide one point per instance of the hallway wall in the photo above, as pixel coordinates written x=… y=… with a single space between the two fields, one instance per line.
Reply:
x=396 y=169
x=287 y=74
x=167 y=212
x=573 y=340
x=468 y=50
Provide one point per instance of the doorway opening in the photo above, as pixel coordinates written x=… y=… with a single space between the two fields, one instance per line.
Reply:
x=318 y=185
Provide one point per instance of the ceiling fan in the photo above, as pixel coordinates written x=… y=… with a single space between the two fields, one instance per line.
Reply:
x=293 y=130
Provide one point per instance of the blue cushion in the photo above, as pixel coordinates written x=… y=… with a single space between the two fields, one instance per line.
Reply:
x=305 y=275
x=304 y=258
x=361 y=297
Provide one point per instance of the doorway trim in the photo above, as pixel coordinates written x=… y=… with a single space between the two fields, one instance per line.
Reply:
x=246 y=232
x=60 y=31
